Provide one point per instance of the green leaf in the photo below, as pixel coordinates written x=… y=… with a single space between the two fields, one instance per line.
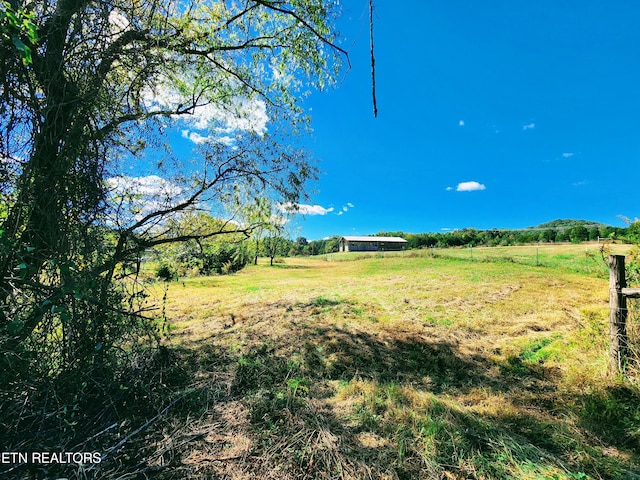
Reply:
x=59 y=309
x=25 y=51
x=14 y=326
x=13 y=20
x=19 y=44
x=31 y=30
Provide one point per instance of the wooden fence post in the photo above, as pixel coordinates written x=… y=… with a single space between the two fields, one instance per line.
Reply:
x=618 y=313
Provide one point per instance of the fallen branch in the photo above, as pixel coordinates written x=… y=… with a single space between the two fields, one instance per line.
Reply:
x=94 y=436
x=140 y=429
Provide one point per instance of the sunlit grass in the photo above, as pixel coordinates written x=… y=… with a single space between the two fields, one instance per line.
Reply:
x=414 y=366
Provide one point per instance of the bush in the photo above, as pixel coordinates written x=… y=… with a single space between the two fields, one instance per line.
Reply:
x=224 y=258
x=221 y=257
x=166 y=273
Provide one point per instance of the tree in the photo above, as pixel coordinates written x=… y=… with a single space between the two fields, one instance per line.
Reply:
x=578 y=234
x=258 y=214
x=274 y=245
x=206 y=255
x=332 y=245
x=547 y=235
x=633 y=231
x=273 y=226
x=91 y=87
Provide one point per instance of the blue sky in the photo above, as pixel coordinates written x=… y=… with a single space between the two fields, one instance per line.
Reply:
x=500 y=114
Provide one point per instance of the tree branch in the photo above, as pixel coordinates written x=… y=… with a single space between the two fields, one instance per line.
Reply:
x=322 y=38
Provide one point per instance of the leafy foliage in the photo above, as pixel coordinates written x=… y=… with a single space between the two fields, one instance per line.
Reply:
x=89 y=88
x=16 y=25
x=207 y=255
x=569 y=223
x=495 y=237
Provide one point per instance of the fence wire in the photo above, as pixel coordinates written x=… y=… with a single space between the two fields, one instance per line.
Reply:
x=633 y=337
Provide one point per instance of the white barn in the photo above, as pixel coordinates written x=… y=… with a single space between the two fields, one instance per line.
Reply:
x=372 y=244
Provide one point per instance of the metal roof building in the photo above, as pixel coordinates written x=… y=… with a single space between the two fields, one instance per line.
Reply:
x=371 y=244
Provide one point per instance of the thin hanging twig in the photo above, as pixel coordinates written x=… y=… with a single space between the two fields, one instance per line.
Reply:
x=373 y=60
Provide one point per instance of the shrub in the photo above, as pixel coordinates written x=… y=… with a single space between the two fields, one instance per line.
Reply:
x=224 y=258
x=165 y=272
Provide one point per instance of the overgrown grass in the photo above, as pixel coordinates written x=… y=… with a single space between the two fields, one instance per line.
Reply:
x=587 y=258
x=425 y=367
x=392 y=367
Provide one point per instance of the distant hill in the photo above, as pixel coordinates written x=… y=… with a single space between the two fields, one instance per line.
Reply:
x=562 y=224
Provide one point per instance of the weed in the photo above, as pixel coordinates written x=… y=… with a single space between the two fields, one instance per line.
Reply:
x=324 y=302
x=433 y=321
x=297 y=387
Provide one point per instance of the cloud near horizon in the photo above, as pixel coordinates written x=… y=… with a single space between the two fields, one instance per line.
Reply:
x=345 y=208
x=468 y=187
x=303 y=209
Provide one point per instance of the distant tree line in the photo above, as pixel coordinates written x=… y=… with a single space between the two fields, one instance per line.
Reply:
x=232 y=253
x=495 y=237
x=229 y=253
x=575 y=231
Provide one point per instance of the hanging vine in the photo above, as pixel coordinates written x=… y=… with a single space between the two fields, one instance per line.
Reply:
x=373 y=60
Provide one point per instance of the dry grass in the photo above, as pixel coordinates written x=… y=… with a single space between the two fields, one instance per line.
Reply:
x=395 y=367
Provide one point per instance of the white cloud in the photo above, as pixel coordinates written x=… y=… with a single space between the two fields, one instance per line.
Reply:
x=469 y=187
x=345 y=208
x=284 y=78
x=567 y=154
x=198 y=139
x=195 y=137
x=227 y=140
x=279 y=220
x=304 y=209
x=237 y=114
x=448 y=189
x=461 y=123
x=529 y=126
x=151 y=186
x=143 y=195
x=118 y=22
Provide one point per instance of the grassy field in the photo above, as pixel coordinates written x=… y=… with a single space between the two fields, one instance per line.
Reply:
x=420 y=365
